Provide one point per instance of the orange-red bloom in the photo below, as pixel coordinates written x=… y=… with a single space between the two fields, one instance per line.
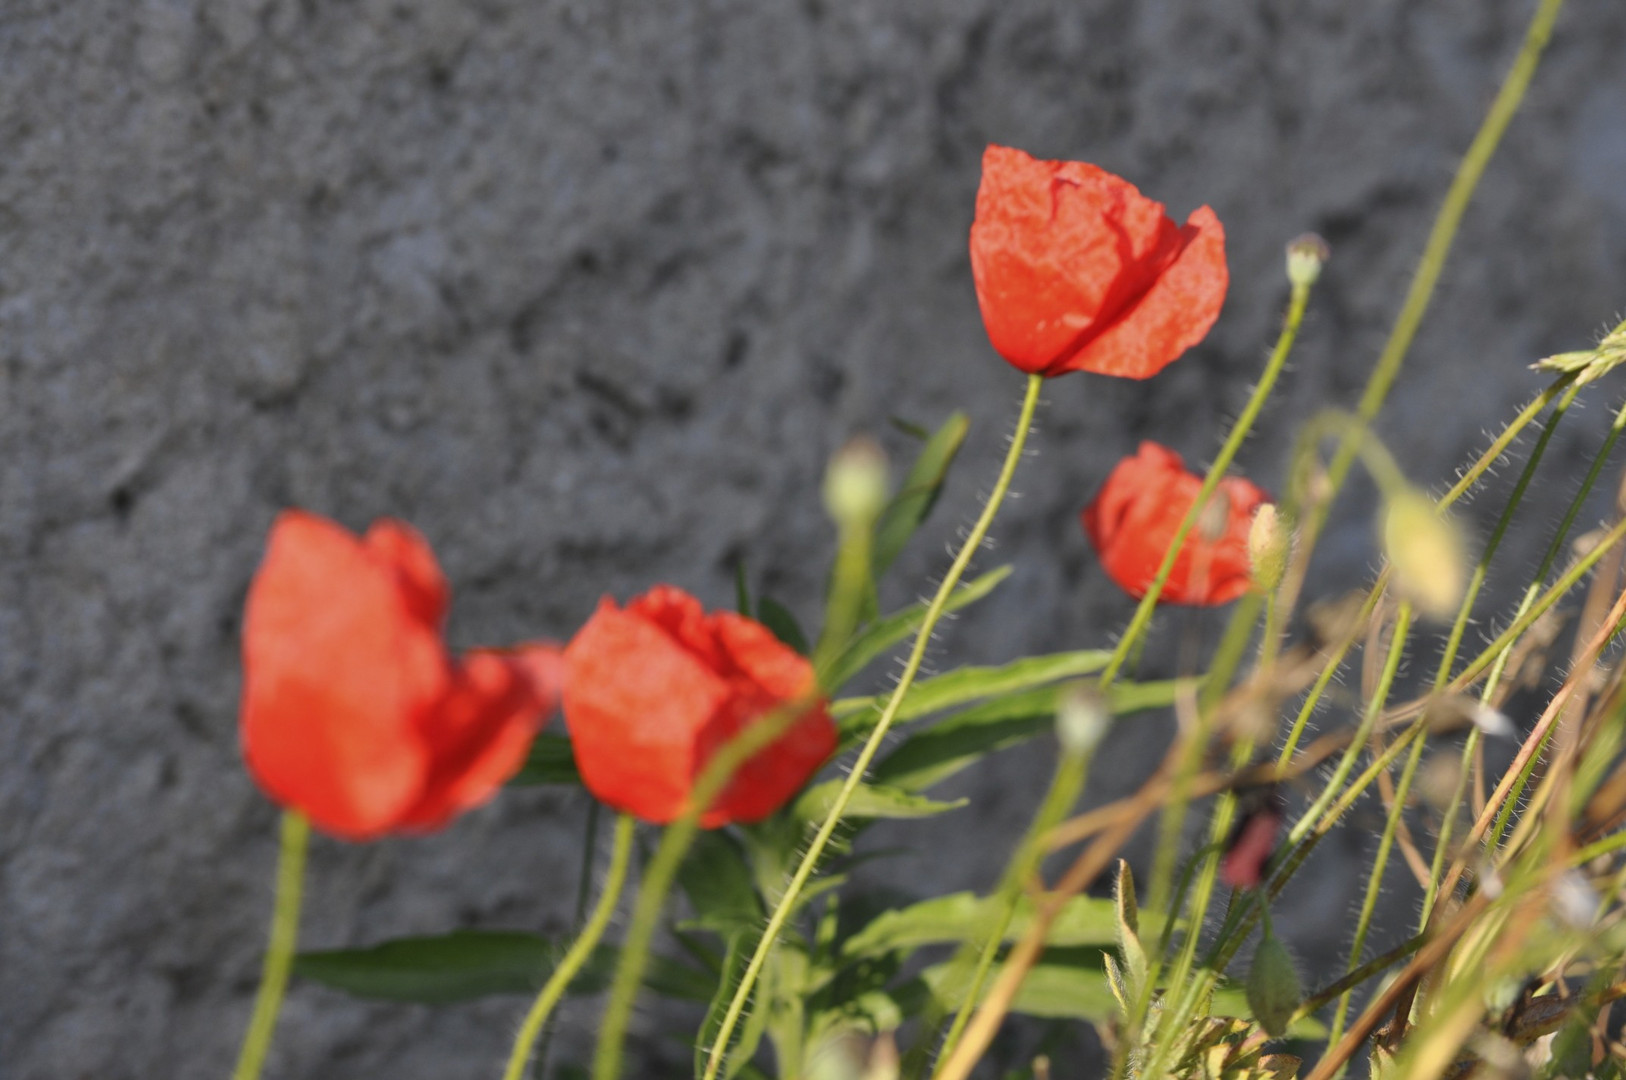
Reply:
x=353 y=712
x=1076 y=270
x=1133 y=520
x=652 y=690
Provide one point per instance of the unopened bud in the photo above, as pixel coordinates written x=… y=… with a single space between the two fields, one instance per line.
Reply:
x=1427 y=552
x=1305 y=257
x=1268 y=544
x=855 y=484
x=1274 y=990
x=1082 y=718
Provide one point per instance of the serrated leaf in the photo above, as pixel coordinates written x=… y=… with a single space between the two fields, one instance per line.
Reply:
x=869 y=801
x=468 y=964
x=886 y=632
x=550 y=761
x=939 y=751
x=777 y=618
x=915 y=499
x=974 y=683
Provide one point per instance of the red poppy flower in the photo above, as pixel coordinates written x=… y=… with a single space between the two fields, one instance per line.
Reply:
x=1133 y=520
x=353 y=712
x=1076 y=270
x=653 y=689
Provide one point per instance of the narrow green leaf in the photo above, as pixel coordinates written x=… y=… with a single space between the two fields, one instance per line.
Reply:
x=912 y=504
x=963 y=916
x=910 y=428
x=869 y=801
x=551 y=761
x=886 y=632
x=939 y=751
x=972 y=683
x=777 y=617
x=1127 y=930
x=1115 y=983
x=468 y=964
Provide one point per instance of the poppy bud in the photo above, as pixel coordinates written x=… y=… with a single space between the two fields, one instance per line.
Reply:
x=1428 y=554
x=1082 y=718
x=1268 y=543
x=1305 y=257
x=1273 y=988
x=855 y=483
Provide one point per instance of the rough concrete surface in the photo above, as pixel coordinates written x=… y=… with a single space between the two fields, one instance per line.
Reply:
x=588 y=290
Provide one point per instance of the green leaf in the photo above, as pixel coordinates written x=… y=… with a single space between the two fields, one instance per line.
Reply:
x=551 y=761
x=468 y=964
x=460 y=966
x=910 y=428
x=886 y=632
x=777 y=617
x=1060 y=987
x=869 y=801
x=915 y=499
x=961 y=917
x=1127 y=919
x=742 y=592
x=972 y=683
x=932 y=755
x=717 y=881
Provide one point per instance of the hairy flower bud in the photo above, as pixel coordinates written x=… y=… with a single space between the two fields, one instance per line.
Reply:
x=1428 y=554
x=1268 y=545
x=1305 y=257
x=855 y=484
x=1274 y=991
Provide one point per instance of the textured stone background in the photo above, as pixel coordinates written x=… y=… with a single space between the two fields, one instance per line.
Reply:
x=588 y=291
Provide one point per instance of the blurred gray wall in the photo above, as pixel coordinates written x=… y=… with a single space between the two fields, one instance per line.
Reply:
x=588 y=291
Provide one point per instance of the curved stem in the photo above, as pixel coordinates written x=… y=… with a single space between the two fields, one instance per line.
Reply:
x=279 y=952
x=579 y=951
x=662 y=870
x=1440 y=238
x=1216 y=471
x=815 y=849
x=1065 y=787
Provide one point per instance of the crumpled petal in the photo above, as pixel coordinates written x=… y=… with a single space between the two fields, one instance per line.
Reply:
x=1076 y=270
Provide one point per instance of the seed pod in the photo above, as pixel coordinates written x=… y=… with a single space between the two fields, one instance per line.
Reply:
x=1274 y=991
x=1305 y=257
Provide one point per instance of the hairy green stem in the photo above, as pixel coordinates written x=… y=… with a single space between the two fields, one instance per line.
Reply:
x=1065 y=786
x=579 y=951
x=815 y=849
x=279 y=952
x=1239 y=431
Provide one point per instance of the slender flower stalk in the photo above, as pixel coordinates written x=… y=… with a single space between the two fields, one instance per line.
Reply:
x=279 y=953
x=554 y=989
x=917 y=655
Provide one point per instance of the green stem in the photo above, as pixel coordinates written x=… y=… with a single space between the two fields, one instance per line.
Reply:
x=1440 y=238
x=579 y=951
x=1239 y=431
x=815 y=849
x=279 y=952
x=1064 y=790
x=662 y=871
